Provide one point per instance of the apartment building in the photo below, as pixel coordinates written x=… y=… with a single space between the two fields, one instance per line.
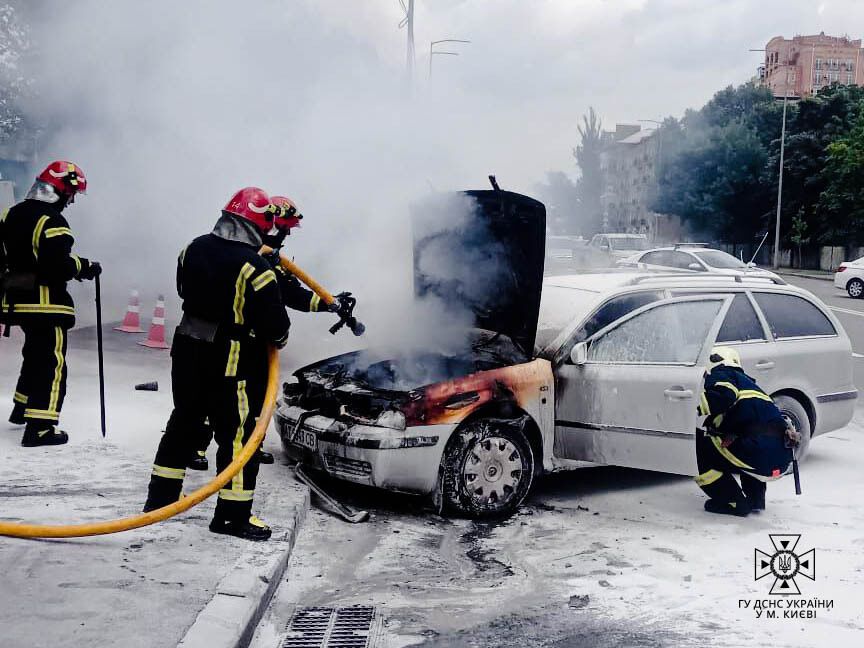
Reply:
x=801 y=66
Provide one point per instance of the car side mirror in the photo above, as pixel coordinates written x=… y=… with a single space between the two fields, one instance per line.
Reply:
x=694 y=266
x=579 y=354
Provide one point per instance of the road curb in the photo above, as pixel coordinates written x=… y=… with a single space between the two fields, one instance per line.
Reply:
x=806 y=276
x=230 y=618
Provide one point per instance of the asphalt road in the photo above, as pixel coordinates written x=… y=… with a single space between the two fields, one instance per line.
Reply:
x=599 y=557
x=849 y=311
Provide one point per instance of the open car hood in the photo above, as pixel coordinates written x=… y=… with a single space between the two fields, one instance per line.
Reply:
x=482 y=252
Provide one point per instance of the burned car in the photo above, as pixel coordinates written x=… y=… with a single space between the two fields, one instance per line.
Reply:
x=608 y=370
x=463 y=426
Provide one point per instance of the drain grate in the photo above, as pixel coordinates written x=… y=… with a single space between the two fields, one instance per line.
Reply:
x=328 y=627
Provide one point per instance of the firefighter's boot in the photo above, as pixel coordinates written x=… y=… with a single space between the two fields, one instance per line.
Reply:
x=265 y=457
x=251 y=529
x=198 y=461
x=162 y=492
x=42 y=434
x=739 y=508
x=754 y=489
x=17 y=415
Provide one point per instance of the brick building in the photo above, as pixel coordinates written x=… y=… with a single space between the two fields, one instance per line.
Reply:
x=800 y=66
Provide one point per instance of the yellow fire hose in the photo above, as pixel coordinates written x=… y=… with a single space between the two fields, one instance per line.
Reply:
x=297 y=271
x=185 y=503
x=22 y=530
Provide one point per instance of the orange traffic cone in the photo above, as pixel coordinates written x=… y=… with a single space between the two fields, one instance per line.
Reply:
x=156 y=334
x=132 y=320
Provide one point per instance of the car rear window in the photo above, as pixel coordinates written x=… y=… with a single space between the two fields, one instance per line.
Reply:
x=792 y=316
x=741 y=323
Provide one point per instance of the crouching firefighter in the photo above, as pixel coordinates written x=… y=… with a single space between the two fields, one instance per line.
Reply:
x=232 y=311
x=294 y=296
x=744 y=434
x=36 y=245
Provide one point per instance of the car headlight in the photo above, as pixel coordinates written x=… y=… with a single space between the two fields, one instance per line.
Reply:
x=391 y=419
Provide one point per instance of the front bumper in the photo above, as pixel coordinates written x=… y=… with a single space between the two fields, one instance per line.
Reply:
x=406 y=461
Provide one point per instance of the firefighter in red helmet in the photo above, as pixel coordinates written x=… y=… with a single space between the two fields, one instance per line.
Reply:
x=294 y=296
x=232 y=311
x=36 y=262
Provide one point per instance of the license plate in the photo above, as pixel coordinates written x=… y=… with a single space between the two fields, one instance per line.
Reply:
x=305 y=438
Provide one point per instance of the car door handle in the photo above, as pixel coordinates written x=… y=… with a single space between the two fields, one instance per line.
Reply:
x=678 y=393
x=765 y=364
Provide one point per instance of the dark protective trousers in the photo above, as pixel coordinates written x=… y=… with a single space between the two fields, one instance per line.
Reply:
x=202 y=390
x=41 y=386
x=758 y=452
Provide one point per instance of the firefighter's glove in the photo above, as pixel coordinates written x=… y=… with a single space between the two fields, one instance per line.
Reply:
x=343 y=305
x=90 y=271
x=711 y=429
x=272 y=258
x=791 y=437
x=276 y=240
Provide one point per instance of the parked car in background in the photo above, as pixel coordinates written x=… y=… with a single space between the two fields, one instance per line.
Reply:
x=605 y=368
x=850 y=277
x=618 y=246
x=694 y=258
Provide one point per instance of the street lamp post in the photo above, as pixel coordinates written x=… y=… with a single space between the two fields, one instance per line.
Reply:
x=786 y=66
x=432 y=51
x=780 y=181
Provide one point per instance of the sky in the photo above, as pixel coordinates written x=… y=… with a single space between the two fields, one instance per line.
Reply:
x=170 y=107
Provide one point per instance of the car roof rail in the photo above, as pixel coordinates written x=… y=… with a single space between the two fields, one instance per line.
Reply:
x=703 y=276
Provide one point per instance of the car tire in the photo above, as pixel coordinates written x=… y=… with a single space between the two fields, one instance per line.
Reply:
x=793 y=411
x=855 y=288
x=476 y=463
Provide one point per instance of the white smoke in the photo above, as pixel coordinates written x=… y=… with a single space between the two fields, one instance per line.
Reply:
x=170 y=107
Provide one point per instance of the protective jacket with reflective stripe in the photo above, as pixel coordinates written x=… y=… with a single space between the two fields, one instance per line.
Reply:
x=295 y=296
x=37 y=245
x=734 y=403
x=222 y=279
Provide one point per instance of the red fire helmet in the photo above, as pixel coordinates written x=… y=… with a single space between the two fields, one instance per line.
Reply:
x=66 y=177
x=254 y=205
x=289 y=217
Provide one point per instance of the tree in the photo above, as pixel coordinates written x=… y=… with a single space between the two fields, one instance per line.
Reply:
x=13 y=44
x=589 y=187
x=712 y=175
x=798 y=235
x=716 y=186
x=841 y=205
x=813 y=126
x=561 y=197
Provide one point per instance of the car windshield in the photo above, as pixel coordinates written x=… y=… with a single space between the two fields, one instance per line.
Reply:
x=558 y=308
x=720 y=259
x=635 y=243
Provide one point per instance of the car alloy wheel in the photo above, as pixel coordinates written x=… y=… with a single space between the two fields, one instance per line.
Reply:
x=487 y=468
x=855 y=288
x=492 y=470
x=796 y=416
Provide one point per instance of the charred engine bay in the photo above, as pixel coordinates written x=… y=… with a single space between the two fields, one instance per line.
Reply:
x=371 y=382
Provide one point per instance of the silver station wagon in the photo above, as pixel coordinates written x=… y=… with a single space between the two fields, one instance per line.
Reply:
x=629 y=353
x=557 y=371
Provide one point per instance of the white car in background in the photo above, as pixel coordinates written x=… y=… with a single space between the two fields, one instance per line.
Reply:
x=696 y=259
x=850 y=277
x=618 y=246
